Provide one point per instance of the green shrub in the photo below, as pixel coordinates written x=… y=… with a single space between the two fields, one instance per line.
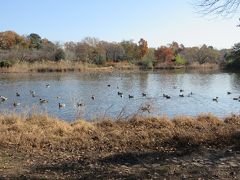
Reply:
x=6 y=64
x=148 y=60
x=180 y=60
x=100 y=60
x=233 y=64
x=146 y=64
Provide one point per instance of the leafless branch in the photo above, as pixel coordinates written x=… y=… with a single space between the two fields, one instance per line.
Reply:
x=218 y=7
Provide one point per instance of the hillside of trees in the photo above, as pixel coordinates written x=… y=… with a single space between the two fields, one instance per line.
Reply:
x=31 y=48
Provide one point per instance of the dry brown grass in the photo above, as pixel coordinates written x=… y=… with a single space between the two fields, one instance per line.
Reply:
x=124 y=65
x=71 y=66
x=204 y=66
x=49 y=66
x=43 y=133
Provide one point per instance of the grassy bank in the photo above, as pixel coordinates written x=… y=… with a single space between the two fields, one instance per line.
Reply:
x=65 y=66
x=135 y=134
x=69 y=66
x=193 y=66
x=44 y=147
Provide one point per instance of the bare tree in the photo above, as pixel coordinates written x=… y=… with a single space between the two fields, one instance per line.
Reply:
x=218 y=7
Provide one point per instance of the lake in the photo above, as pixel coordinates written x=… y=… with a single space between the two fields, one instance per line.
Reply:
x=199 y=89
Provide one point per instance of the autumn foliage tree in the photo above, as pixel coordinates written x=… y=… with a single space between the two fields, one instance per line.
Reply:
x=176 y=47
x=143 y=47
x=130 y=49
x=164 y=54
x=31 y=48
x=10 y=40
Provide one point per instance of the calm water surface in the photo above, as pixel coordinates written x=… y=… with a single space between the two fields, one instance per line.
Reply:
x=79 y=87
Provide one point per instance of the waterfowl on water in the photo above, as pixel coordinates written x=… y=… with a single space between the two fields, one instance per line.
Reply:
x=120 y=93
x=144 y=94
x=109 y=85
x=146 y=108
x=80 y=104
x=17 y=94
x=181 y=95
x=32 y=92
x=235 y=99
x=229 y=93
x=42 y=101
x=93 y=97
x=215 y=99
x=166 y=96
x=61 y=105
x=3 y=98
x=47 y=85
x=16 y=104
x=130 y=96
x=181 y=90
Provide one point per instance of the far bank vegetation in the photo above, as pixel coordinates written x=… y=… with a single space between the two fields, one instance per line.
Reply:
x=24 y=51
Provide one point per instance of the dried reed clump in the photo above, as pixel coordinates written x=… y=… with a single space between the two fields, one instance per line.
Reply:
x=233 y=120
x=50 y=66
x=196 y=65
x=41 y=132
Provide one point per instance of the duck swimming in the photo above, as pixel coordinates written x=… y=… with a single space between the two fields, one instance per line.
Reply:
x=42 y=101
x=146 y=108
x=3 y=98
x=130 y=96
x=166 y=96
x=215 y=99
x=61 y=105
x=15 y=104
x=181 y=95
x=80 y=104
x=120 y=93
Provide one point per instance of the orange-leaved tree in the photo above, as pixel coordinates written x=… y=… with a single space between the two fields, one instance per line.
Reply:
x=164 y=54
x=143 y=47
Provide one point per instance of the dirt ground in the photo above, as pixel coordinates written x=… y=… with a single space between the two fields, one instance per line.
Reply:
x=188 y=163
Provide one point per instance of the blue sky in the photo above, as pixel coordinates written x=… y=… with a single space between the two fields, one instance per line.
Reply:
x=159 y=22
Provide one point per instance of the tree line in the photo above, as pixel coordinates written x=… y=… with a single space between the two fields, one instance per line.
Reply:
x=32 y=48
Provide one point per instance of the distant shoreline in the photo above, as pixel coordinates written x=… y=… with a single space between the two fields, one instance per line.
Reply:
x=65 y=66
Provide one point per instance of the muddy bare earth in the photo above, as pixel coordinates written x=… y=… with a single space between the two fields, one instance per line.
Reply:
x=189 y=163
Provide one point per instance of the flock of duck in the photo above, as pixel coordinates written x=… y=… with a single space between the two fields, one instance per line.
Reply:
x=33 y=94
x=228 y=93
x=79 y=104
x=62 y=105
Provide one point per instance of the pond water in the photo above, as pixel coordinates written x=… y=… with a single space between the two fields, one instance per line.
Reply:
x=71 y=88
